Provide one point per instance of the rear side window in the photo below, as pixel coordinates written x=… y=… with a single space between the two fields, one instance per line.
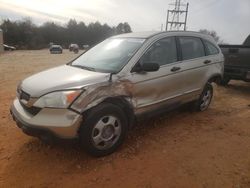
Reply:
x=162 y=52
x=191 y=48
x=210 y=48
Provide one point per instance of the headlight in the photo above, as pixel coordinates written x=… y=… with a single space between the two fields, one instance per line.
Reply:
x=60 y=99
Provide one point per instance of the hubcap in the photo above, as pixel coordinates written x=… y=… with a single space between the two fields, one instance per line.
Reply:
x=106 y=132
x=206 y=100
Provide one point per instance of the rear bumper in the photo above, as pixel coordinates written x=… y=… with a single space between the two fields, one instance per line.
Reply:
x=48 y=123
x=56 y=51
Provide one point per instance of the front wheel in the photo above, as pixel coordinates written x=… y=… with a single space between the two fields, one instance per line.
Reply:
x=104 y=129
x=205 y=98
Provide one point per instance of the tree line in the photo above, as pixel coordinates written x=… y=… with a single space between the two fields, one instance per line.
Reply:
x=24 y=34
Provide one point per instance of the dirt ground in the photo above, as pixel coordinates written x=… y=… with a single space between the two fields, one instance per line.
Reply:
x=180 y=149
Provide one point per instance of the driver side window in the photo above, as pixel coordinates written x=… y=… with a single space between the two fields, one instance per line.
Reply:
x=162 y=52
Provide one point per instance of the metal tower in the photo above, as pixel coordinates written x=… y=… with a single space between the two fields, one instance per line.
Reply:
x=177 y=16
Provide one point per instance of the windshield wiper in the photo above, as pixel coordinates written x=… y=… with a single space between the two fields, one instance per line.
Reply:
x=84 y=67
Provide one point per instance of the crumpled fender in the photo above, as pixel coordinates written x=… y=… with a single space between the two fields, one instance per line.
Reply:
x=96 y=94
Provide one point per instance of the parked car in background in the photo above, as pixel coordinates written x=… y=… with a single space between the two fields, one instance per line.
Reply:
x=237 y=62
x=9 y=48
x=56 y=49
x=74 y=47
x=99 y=95
x=85 y=47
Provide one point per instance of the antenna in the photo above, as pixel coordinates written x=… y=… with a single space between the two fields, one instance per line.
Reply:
x=177 y=16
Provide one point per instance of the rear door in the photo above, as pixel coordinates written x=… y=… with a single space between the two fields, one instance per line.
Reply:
x=195 y=64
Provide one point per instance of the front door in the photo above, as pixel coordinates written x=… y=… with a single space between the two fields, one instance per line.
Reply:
x=151 y=89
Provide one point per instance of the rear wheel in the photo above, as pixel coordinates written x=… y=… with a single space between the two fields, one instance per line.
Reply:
x=104 y=129
x=205 y=98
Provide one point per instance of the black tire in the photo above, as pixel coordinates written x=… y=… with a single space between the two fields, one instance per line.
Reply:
x=88 y=128
x=199 y=104
x=224 y=81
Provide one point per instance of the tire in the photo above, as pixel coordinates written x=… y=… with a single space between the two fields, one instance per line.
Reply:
x=224 y=81
x=205 y=99
x=104 y=130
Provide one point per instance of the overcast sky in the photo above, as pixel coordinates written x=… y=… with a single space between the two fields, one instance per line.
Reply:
x=230 y=18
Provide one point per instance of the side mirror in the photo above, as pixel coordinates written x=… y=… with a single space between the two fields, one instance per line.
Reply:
x=150 y=67
x=146 y=67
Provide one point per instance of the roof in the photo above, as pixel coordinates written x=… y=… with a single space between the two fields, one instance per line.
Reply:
x=56 y=45
x=145 y=35
x=149 y=34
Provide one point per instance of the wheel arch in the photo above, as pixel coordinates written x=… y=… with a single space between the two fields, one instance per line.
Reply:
x=122 y=102
x=216 y=78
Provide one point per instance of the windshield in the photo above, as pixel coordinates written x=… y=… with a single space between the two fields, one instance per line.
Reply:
x=110 y=55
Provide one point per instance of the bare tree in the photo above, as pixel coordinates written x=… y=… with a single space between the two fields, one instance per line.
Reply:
x=212 y=33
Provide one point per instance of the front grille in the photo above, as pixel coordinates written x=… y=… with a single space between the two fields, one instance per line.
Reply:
x=24 y=96
x=32 y=110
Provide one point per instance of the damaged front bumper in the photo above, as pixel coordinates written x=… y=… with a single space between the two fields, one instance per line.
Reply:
x=48 y=122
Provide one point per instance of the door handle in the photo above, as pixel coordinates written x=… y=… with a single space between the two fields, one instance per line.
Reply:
x=207 y=61
x=174 y=69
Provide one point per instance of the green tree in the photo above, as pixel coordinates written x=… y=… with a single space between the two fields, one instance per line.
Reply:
x=26 y=35
x=123 y=28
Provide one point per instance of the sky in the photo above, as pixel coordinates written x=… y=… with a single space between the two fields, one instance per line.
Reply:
x=229 y=18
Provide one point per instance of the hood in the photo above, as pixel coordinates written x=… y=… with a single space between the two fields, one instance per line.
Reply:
x=60 y=78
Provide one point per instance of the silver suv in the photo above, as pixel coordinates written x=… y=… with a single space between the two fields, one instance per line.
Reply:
x=98 y=96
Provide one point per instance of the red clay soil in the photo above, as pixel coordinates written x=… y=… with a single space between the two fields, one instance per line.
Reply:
x=180 y=149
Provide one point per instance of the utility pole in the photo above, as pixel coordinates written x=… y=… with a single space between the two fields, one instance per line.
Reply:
x=177 y=16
